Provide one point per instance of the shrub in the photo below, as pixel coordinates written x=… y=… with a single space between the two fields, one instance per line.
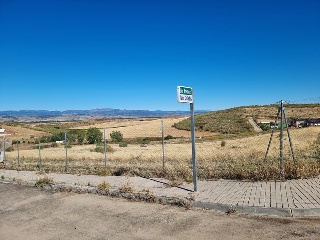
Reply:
x=104 y=172
x=42 y=182
x=37 y=147
x=116 y=136
x=223 y=143
x=127 y=187
x=104 y=186
x=9 y=149
x=145 y=141
x=94 y=135
x=100 y=149
x=123 y=144
x=45 y=139
x=15 y=142
x=54 y=144
x=168 y=137
x=57 y=137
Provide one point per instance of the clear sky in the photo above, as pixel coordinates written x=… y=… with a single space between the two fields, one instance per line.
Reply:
x=132 y=54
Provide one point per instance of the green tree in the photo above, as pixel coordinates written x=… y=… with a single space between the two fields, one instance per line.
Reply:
x=81 y=136
x=116 y=136
x=57 y=137
x=45 y=139
x=71 y=138
x=94 y=135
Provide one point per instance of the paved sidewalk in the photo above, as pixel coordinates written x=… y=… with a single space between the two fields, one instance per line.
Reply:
x=287 y=198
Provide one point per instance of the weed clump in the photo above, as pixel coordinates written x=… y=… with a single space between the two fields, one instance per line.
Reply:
x=127 y=187
x=100 y=149
x=43 y=182
x=104 y=187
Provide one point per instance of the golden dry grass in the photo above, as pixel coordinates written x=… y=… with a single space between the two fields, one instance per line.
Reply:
x=239 y=158
x=302 y=139
x=144 y=128
x=19 y=132
x=292 y=111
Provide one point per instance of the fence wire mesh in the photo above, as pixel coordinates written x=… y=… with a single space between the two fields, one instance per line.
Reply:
x=229 y=144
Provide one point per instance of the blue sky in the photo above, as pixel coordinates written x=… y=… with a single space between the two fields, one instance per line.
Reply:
x=68 y=54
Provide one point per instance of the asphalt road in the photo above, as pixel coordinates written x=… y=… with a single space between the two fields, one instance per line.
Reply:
x=30 y=213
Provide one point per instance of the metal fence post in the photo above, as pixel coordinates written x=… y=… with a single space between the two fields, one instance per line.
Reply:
x=162 y=131
x=281 y=139
x=40 y=161
x=18 y=148
x=66 y=146
x=105 y=148
x=4 y=149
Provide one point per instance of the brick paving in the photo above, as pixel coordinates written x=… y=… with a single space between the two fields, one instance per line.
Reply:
x=302 y=193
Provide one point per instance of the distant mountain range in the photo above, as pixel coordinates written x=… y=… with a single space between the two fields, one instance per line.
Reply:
x=82 y=115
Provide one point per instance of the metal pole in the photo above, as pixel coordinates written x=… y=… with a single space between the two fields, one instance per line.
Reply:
x=162 y=131
x=281 y=139
x=291 y=145
x=4 y=149
x=40 y=161
x=194 y=165
x=105 y=148
x=272 y=132
x=18 y=146
x=66 y=146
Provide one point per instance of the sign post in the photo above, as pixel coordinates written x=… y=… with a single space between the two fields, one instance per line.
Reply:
x=185 y=95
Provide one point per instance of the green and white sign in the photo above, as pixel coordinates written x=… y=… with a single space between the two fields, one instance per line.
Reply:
x=185 y=94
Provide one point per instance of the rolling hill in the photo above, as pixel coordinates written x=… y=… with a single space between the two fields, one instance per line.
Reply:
x=236 y=120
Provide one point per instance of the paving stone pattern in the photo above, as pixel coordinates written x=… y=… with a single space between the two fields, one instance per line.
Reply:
x=302 y=193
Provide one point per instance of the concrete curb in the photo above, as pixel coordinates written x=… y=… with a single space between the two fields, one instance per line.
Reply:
x=310 y=212
x=280 y=212
x=229 y=209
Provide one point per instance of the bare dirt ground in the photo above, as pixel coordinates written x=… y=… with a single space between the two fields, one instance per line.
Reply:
x=29 y=213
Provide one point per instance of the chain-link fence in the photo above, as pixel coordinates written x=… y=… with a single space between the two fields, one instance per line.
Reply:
x=255 y=142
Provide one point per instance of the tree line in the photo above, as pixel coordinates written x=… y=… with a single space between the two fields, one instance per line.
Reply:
x=82 y=136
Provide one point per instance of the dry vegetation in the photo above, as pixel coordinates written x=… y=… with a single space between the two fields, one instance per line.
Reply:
x=237 y=155
x=240 y=158
x=21 y=132
x=236 y=120
x=144 y=128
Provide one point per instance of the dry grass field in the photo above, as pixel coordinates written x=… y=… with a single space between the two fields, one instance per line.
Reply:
x=18 y=132
x=240 y=158
x=144 y=128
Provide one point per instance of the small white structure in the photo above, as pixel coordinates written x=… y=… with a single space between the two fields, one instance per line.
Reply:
x=2 y=134
x=2 y=151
